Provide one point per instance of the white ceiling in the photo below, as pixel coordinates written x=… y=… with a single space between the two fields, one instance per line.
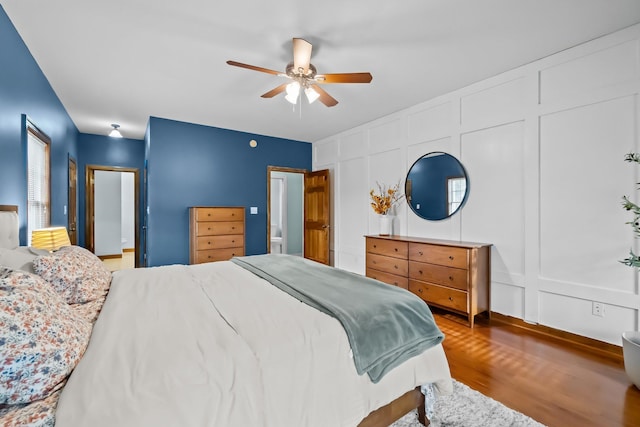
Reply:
x=122 y=61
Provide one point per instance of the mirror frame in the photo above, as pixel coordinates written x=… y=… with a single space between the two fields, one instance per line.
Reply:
x=409 y=183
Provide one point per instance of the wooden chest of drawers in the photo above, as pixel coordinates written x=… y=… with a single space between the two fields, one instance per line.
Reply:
x=455 y=276
x=215 y=233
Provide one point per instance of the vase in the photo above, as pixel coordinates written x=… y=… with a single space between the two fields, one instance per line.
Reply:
x=631 y=355
x=386 y=224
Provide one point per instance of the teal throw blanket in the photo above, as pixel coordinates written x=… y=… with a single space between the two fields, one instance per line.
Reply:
x=386 y=325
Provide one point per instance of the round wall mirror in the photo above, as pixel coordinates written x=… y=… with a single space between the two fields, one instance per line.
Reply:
x=436 y=186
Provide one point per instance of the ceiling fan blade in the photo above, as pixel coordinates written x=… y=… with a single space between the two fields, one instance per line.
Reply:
x=344 y=78
x=276 y=91
x=325 y=98
x=301 y=55
x=253 y=67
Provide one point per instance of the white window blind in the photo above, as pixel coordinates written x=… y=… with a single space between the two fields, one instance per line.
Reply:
x=38 y=215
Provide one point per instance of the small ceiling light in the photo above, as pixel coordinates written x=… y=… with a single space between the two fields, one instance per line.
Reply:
x=253 y=143
x=115 y=133
x=293 y=90
x=312 y=95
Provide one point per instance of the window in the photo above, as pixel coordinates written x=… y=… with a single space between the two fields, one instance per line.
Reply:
x=457 y=188
x=38 y=181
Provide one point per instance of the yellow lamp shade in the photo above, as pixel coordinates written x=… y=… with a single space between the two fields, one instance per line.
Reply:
x=51 y=238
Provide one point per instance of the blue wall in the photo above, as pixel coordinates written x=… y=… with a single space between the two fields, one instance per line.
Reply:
x=107 y=151
x=24 y=90
x=195 y=165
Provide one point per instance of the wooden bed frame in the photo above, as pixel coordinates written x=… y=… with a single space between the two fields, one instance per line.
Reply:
x=388 y=414
x=381 y=417
x=9 y=208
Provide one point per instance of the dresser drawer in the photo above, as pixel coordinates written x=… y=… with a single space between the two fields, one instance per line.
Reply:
x=211 y=228
x=218 y=242
x=211 y=255
x=388 y=264
x=440 y=295
x=438 y=274
x=442 y=255
x=388 y=247
x=220 y=214
x=392 y=279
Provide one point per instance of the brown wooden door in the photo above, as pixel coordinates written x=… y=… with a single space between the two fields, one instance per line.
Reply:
x=317 y=216
x=73 y=208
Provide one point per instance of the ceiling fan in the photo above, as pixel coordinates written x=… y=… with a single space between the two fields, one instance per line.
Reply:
x=305 y=77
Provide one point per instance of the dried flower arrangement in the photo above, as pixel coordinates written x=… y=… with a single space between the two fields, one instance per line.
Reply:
x=385 y=199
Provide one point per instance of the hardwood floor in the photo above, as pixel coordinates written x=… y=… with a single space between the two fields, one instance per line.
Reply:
x=125 y=262
x=546 y=378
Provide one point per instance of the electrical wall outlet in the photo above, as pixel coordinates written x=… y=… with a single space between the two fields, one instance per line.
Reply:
x=597 y=309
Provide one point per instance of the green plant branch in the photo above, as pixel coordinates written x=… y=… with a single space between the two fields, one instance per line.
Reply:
x=633 y=260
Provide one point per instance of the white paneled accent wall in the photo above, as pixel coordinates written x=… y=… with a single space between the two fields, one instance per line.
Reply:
x=543 y=146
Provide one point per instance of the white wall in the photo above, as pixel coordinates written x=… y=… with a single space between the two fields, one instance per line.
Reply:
x=543 y=146
x=107 y=215
x=128 y=216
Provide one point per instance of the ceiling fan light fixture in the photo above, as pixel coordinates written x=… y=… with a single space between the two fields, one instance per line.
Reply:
x=115 y=133
x=303 y=76
x=312 y=95
x=293 y=91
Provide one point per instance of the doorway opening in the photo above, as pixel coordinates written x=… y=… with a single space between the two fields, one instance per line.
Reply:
x=112 y=214
x=285 y=211
x=293 y=194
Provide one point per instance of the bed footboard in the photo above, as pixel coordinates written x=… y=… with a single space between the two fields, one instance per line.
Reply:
x=386 y=415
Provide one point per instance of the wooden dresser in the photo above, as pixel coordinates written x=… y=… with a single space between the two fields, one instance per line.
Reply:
x=215 y=233
x=452 y=275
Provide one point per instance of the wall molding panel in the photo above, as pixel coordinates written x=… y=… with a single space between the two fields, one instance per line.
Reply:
x=544 y=146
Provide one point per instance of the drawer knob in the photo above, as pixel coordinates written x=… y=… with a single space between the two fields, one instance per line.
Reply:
x=233 y=228
x=373 y=262
x=374 y=246
x=208 y=214
x=208 y=243
x=420 y=253
x=451 y=257
x=450 y=298
x=420 y=290
x=395 y=266
x=209 y=228
x=395 y=249
x=209 y=256
x=395 y=283
x=420 y=272
x=450 y=277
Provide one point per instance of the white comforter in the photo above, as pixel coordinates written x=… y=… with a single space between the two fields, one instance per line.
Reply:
x=214 y=345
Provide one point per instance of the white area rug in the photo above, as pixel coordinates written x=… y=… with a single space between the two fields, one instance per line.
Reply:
x=469 y=408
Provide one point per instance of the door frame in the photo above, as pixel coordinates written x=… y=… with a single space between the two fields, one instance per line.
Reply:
x=90 y=205
x=277 y=169
x=72 y=202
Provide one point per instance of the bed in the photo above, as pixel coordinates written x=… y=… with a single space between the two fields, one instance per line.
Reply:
x=207 y=345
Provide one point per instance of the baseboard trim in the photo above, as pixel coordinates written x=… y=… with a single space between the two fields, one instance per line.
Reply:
x=129 y=250
x=103 y=257
x=574 y=339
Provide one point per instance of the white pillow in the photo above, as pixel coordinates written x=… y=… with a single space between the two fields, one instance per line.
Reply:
x=9 y=229
x=20 y=258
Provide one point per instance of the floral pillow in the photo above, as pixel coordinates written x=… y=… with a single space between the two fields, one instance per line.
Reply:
x=75 y=273
x=41 y=339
